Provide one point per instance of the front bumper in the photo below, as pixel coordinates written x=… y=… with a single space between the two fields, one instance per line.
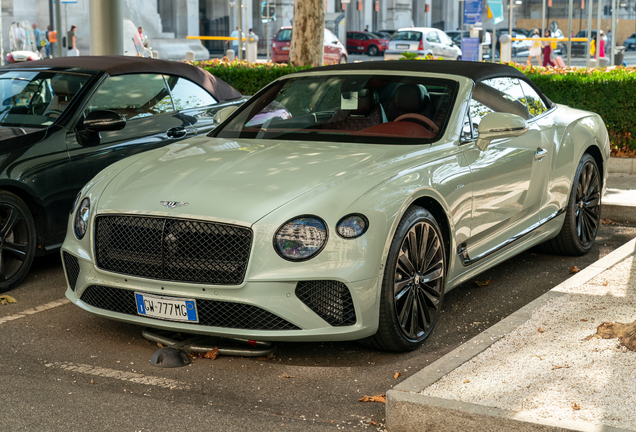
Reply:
x=276 y=303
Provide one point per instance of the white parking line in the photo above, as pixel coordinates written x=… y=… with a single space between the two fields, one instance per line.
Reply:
x=34 y=310
x=120 y=375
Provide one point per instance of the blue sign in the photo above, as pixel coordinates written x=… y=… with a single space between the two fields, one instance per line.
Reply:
x=472 y=12
x=496 y=9
x=470 y=49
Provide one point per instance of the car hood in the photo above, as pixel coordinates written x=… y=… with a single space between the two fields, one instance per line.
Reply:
x=240 y=181
x=8 y=132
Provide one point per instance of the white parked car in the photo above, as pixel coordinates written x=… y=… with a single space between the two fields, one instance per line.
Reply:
x=423 y=41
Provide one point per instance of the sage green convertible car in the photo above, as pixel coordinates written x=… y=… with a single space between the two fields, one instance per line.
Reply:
x=339 y=203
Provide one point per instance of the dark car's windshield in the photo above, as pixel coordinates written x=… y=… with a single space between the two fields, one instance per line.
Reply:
x=36 y=99
x=383 y=109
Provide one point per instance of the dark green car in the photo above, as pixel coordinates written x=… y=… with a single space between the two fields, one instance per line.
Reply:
x=63 y=120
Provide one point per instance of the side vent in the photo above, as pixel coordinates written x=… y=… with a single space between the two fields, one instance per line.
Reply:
x=330 y=300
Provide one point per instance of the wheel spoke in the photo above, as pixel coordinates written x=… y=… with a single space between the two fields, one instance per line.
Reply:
x=593 y=201
x=412 y=248
x=415 y=316
x=430 y=254
x=405 y=309
x=423 y=247
x=405 y=265
x=434 y=274
x=17 y=249
x=13 y=217
x=402 y=288
x=425 y=315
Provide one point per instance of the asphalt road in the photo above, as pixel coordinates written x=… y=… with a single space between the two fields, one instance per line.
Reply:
x=62 y=369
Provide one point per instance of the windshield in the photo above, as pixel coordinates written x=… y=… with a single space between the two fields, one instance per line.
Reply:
x=380 y=109
x=36 y=99
x=413 y=36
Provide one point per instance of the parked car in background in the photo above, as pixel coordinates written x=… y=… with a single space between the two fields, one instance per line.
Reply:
x=334 y=51
x=63 y=120
x=341 y=203
x=630 y=43
x=424 y=41
x=365 y=42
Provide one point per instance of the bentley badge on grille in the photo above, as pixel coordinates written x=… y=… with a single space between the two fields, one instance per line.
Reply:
x=173 y=204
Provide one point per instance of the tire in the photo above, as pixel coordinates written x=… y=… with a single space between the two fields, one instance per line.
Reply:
x=17 y=240
x=582 y=215
x=373 y=50
x=458 y=58
x=343 y=59
x=402 y=325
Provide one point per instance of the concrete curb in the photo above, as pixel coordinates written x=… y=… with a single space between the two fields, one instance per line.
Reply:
x=407 y=410
x=621 y=165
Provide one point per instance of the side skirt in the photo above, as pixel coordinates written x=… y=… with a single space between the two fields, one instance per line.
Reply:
x=465 y=259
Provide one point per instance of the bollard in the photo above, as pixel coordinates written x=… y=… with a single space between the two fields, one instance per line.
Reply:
x=230 y=54
x=155 y=54
x=190 y=56
x=505 y=50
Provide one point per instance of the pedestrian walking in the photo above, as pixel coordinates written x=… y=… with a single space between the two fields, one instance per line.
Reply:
x=38 y=36
x=47 y=36
x=608 y=41
x=535 y=49
x=601 y=45
x=19 y=37
x=235 y=43
x=547 y=51
x=71 y=39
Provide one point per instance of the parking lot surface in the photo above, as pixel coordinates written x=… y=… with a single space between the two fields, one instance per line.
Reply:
x=63 y=369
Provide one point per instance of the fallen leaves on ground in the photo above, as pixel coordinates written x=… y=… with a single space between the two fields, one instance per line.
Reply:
x=484 y=283
x=608 y=222
x=397 y=374
x=466 y=381
x=574 y=269
x=212 y=354
x=286 y=375
x=5 y=299
x=560 y=367
x=540 y=330
x=626 y=333
x=378 y=398
x=576 y=406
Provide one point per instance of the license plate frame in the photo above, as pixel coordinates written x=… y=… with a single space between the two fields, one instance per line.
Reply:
x=402 y=46
x=167 y=308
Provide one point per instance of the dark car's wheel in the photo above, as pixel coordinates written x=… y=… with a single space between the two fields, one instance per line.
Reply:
x=17 y=240
x=343 y=59
x=373 y=50
x=413 y=284
x=583 y=213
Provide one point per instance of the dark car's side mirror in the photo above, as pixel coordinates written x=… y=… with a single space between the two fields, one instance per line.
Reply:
x=97 y=121
x=103 y=121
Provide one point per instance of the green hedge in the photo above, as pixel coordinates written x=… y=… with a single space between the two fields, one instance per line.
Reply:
x=608 y=92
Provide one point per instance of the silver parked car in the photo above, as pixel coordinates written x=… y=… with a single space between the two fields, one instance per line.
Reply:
x=423 y=41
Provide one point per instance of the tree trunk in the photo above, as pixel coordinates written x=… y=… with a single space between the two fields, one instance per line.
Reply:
x=307 y=33
x=626 y=333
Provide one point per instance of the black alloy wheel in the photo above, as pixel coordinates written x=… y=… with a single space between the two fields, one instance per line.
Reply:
x=587 y=205
x=413 y=285
x=17 y=240
x=583 y=213
x=373 y=50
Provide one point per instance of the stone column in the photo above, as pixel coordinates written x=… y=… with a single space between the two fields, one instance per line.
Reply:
x=107 y=27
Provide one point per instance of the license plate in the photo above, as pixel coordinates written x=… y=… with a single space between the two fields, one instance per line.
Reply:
x=285 y=48
x=406 y=46
x=167 y=308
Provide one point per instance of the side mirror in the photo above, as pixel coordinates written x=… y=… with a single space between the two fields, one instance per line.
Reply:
x=103 y=121
x=499 y=125
x=222 y=114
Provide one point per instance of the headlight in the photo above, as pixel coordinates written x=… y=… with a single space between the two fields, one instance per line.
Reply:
x=352 y=226
x=301 y=238
x=81 y=218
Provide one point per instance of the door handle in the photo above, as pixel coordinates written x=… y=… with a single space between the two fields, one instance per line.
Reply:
x=176 y=132
x=539 y=154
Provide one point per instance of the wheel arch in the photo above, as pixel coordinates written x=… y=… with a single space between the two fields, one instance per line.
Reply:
x=595 y=152
x=437 y=210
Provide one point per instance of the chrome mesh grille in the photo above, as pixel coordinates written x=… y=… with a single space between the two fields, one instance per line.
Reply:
x=71 y=264
x=173 y=249
x=330 y=300
x=211 y=313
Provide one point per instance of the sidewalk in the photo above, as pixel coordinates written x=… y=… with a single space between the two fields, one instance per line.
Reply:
x=533 y=371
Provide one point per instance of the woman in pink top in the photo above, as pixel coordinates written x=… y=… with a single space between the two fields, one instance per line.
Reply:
x=601 y=45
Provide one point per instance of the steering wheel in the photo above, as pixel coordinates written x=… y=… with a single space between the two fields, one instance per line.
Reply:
x=52 y=111
x=412 y=116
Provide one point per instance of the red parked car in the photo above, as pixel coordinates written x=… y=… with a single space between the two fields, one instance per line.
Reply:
x=366 y=42
x=334 y=51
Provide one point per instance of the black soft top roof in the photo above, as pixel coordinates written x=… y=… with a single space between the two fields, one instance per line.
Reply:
x=120 y=65
x=477 y=71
